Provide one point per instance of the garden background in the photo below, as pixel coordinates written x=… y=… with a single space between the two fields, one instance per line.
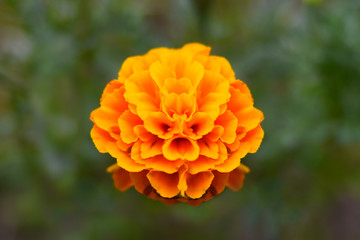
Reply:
x=301 y=59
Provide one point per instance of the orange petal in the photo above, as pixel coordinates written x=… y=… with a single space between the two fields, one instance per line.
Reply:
x=249 y=119
x=121 y=177
x=239 y=101
x=226 y=69
x=164 y=56
x=182 y=185
x=238 y=84
x=214 y=83
x=212 y=65
x=100 y=138
x=164 y=184
x=208 y=148
x=112 y=106
x=201 y=164
x=229 y=122
x=122 y=146
x=198 y=184
x=179 y=104
x=162 y=164
x=157 y=162
x=158 y=124
x=178 y=86
x=115 y=132
x=140 y=181
x=110 y=87
x=236 y=177
x=200 y=124
x=124 y=160
x=181 y=148
x=127 y=122
x=254 y=138
x=142 y=82
x=151 y=148
x=140 y=65
x=160 y=72
x=211 y=103
x=142 y=133
x=126 y=69
x=219 y=182
x=196 y=48
x=143 y=93
x=233 y=161
x=223 y=152
x=194 y=72
x=215 y=134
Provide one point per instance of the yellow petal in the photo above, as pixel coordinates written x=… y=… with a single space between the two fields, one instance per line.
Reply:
x=160 y=72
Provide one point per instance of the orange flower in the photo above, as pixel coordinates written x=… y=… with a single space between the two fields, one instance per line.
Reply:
x=178 y=123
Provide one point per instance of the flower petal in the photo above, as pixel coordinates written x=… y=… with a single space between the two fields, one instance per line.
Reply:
x=140 y=181
x=254 y=137
x=201 y=164
x=229 y=122
x=151 y=148
x=233 y=160
x=101 y=138
x=249 y=118
x=208 y=148
x=179 y=104
x=162 y=164
x=121 y=177
x=199 y=125
x=236 y=177
x=198 y=184
x=215 y=134
x=159 y=124
x=160 y=72
x=197 y=48
x=112 y=106
x=219 y=182
x=181 y=148
x=165 y=184
x=110 y=87
x=123 y=159
x=178 y=86
x=194 y=72
x=127 y=122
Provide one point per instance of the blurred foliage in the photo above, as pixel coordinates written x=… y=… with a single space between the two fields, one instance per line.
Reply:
x=301 y=59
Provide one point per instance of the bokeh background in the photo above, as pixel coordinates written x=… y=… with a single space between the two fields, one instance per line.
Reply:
x=301 y=59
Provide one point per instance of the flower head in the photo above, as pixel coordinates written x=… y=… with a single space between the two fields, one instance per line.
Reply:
x=178 y=123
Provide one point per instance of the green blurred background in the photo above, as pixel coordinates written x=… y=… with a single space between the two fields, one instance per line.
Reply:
x=301 y=59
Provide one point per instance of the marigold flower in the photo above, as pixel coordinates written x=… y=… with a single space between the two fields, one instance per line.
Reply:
x=178 y=123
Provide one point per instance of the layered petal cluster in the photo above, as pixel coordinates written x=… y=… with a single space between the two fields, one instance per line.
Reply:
x=178 y=123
